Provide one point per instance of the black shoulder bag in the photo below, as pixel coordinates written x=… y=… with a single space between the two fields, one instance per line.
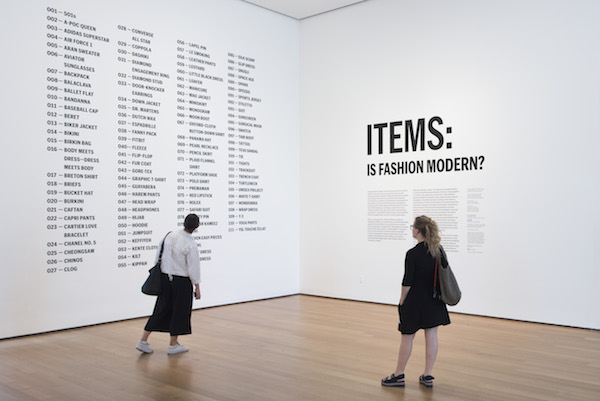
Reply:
x=152 y=284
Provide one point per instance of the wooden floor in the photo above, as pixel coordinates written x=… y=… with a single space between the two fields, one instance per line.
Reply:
x=302 y=348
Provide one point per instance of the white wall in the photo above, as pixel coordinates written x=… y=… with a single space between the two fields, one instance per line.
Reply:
x=517 y=82
x=39 y=290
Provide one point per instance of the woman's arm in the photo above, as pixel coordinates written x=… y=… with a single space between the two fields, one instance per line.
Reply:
x=404 y=294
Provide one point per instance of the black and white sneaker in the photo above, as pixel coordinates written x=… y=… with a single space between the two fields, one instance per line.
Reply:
x=393 y=381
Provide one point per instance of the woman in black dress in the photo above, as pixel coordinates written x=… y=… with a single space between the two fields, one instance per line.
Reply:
x=418 y=309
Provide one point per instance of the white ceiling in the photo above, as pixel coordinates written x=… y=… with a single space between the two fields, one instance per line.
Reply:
x=300 y=9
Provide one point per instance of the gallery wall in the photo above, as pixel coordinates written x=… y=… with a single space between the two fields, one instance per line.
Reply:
x=119 y=118
x=482 y=115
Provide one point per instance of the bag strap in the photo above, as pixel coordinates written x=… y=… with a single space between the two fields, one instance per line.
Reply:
x=162 y=247
x=444 y=257
x=435 y=276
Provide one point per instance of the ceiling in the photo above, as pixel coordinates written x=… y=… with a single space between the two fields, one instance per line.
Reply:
x=300 y=9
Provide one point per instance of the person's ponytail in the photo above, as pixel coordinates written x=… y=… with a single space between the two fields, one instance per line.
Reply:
x=429 y=230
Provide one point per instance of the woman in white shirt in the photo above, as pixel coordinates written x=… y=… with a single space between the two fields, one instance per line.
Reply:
x=180 y=267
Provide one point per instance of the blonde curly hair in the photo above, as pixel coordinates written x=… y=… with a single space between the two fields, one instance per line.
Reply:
x=429 y=230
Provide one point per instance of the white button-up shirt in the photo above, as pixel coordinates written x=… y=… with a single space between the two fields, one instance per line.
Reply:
x=180 y=256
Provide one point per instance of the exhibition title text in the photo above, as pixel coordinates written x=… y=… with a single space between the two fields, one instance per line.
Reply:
x=410 y=136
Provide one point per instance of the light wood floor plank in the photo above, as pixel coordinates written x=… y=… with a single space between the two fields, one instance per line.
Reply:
x=302 y=348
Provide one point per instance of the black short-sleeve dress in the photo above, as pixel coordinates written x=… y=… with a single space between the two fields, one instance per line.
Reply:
x=420 y=310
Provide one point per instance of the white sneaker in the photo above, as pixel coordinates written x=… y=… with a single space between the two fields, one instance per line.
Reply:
x=144 y=347
x=177 y=349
